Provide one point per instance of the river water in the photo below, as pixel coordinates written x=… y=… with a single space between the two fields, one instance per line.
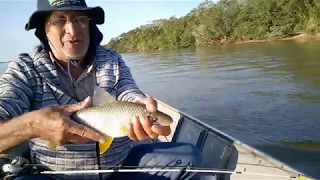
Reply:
x=260 y=93
x=263 y=94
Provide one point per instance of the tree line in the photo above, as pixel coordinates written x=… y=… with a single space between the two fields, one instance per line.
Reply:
x=224 y=22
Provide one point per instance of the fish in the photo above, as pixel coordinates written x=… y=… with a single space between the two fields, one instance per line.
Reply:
x=112 y=118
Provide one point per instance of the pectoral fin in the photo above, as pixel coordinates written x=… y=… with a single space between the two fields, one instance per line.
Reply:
x=101 y=96
x=104 y=146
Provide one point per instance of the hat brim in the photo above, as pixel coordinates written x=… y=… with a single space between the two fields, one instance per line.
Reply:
x=96 y=14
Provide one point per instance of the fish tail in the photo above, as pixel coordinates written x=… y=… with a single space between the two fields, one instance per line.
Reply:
x=52 y=146
x=105 y=146
x=304 y=178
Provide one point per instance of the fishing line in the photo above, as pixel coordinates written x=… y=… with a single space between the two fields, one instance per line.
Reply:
x=166 y=138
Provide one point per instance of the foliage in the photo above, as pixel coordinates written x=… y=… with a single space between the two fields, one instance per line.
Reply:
x=222 y=22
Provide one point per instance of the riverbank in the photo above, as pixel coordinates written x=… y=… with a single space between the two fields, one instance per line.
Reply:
x=298 y=37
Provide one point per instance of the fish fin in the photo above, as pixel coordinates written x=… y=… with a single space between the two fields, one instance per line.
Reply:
x=105 y=146
x=52 y=146
x=101 y=96
x=124 y=129
x=304 y=178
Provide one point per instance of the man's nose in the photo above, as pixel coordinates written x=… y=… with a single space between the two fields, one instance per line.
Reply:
x=70 y=28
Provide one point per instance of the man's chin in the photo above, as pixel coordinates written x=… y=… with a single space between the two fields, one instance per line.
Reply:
x=75 y=55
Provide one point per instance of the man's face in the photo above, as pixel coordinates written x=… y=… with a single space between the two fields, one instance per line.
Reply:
x=68 y=34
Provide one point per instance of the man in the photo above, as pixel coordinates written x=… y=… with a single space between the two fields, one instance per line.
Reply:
x=40 y=91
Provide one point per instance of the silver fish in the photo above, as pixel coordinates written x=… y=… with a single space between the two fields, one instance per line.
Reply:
x=112 y=118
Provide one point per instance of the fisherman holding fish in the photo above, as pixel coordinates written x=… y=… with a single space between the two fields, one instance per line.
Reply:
x=46 y=99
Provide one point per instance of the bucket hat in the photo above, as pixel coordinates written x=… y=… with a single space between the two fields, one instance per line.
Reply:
x=96 y=14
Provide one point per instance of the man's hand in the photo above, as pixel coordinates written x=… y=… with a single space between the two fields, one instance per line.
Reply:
x=141 y=128
x=54 y=125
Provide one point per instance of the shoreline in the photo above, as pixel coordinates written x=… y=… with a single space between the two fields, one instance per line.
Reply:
x=298 y=37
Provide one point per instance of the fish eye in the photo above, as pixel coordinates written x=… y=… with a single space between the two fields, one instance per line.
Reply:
x=154 y=119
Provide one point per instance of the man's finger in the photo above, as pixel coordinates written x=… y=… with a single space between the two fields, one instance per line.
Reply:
x=75 y=107
x=138 y=129
x=150 y=103
x=85 y=132
x=161 y=130
x=130 y=132
x=146 y=124
x=76 y=139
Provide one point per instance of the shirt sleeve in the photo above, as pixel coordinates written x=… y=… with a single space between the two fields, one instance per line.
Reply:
x=15 y=93
x=127 y=90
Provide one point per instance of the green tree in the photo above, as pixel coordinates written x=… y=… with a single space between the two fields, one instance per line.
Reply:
x=223 y=22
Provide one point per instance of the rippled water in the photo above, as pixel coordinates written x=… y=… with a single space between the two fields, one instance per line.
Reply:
x=260 y=93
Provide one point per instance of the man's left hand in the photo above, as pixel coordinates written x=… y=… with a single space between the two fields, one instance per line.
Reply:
x=141 y=127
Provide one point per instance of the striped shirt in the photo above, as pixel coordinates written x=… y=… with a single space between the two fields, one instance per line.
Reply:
x=31 y=82
x=80 y=88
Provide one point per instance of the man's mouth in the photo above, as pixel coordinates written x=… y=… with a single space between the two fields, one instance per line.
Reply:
x=74 y=41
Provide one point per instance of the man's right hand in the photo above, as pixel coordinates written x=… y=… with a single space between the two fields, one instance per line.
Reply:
x=54 y=125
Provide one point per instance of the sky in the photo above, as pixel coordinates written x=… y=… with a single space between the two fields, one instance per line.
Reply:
x=120 y=16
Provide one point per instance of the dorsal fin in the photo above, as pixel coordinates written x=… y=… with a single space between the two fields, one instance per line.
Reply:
x=101 y=96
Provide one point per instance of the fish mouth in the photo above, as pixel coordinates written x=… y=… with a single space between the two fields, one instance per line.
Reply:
x=166 y=122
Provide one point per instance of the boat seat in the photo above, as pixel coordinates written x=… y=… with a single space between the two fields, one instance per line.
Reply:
x=218 y=151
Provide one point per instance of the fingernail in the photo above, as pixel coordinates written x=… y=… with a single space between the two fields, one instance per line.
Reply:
x=154 y=128
x=87 y=99
x=152 y=107
x=133 y=119
x=102 y=140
